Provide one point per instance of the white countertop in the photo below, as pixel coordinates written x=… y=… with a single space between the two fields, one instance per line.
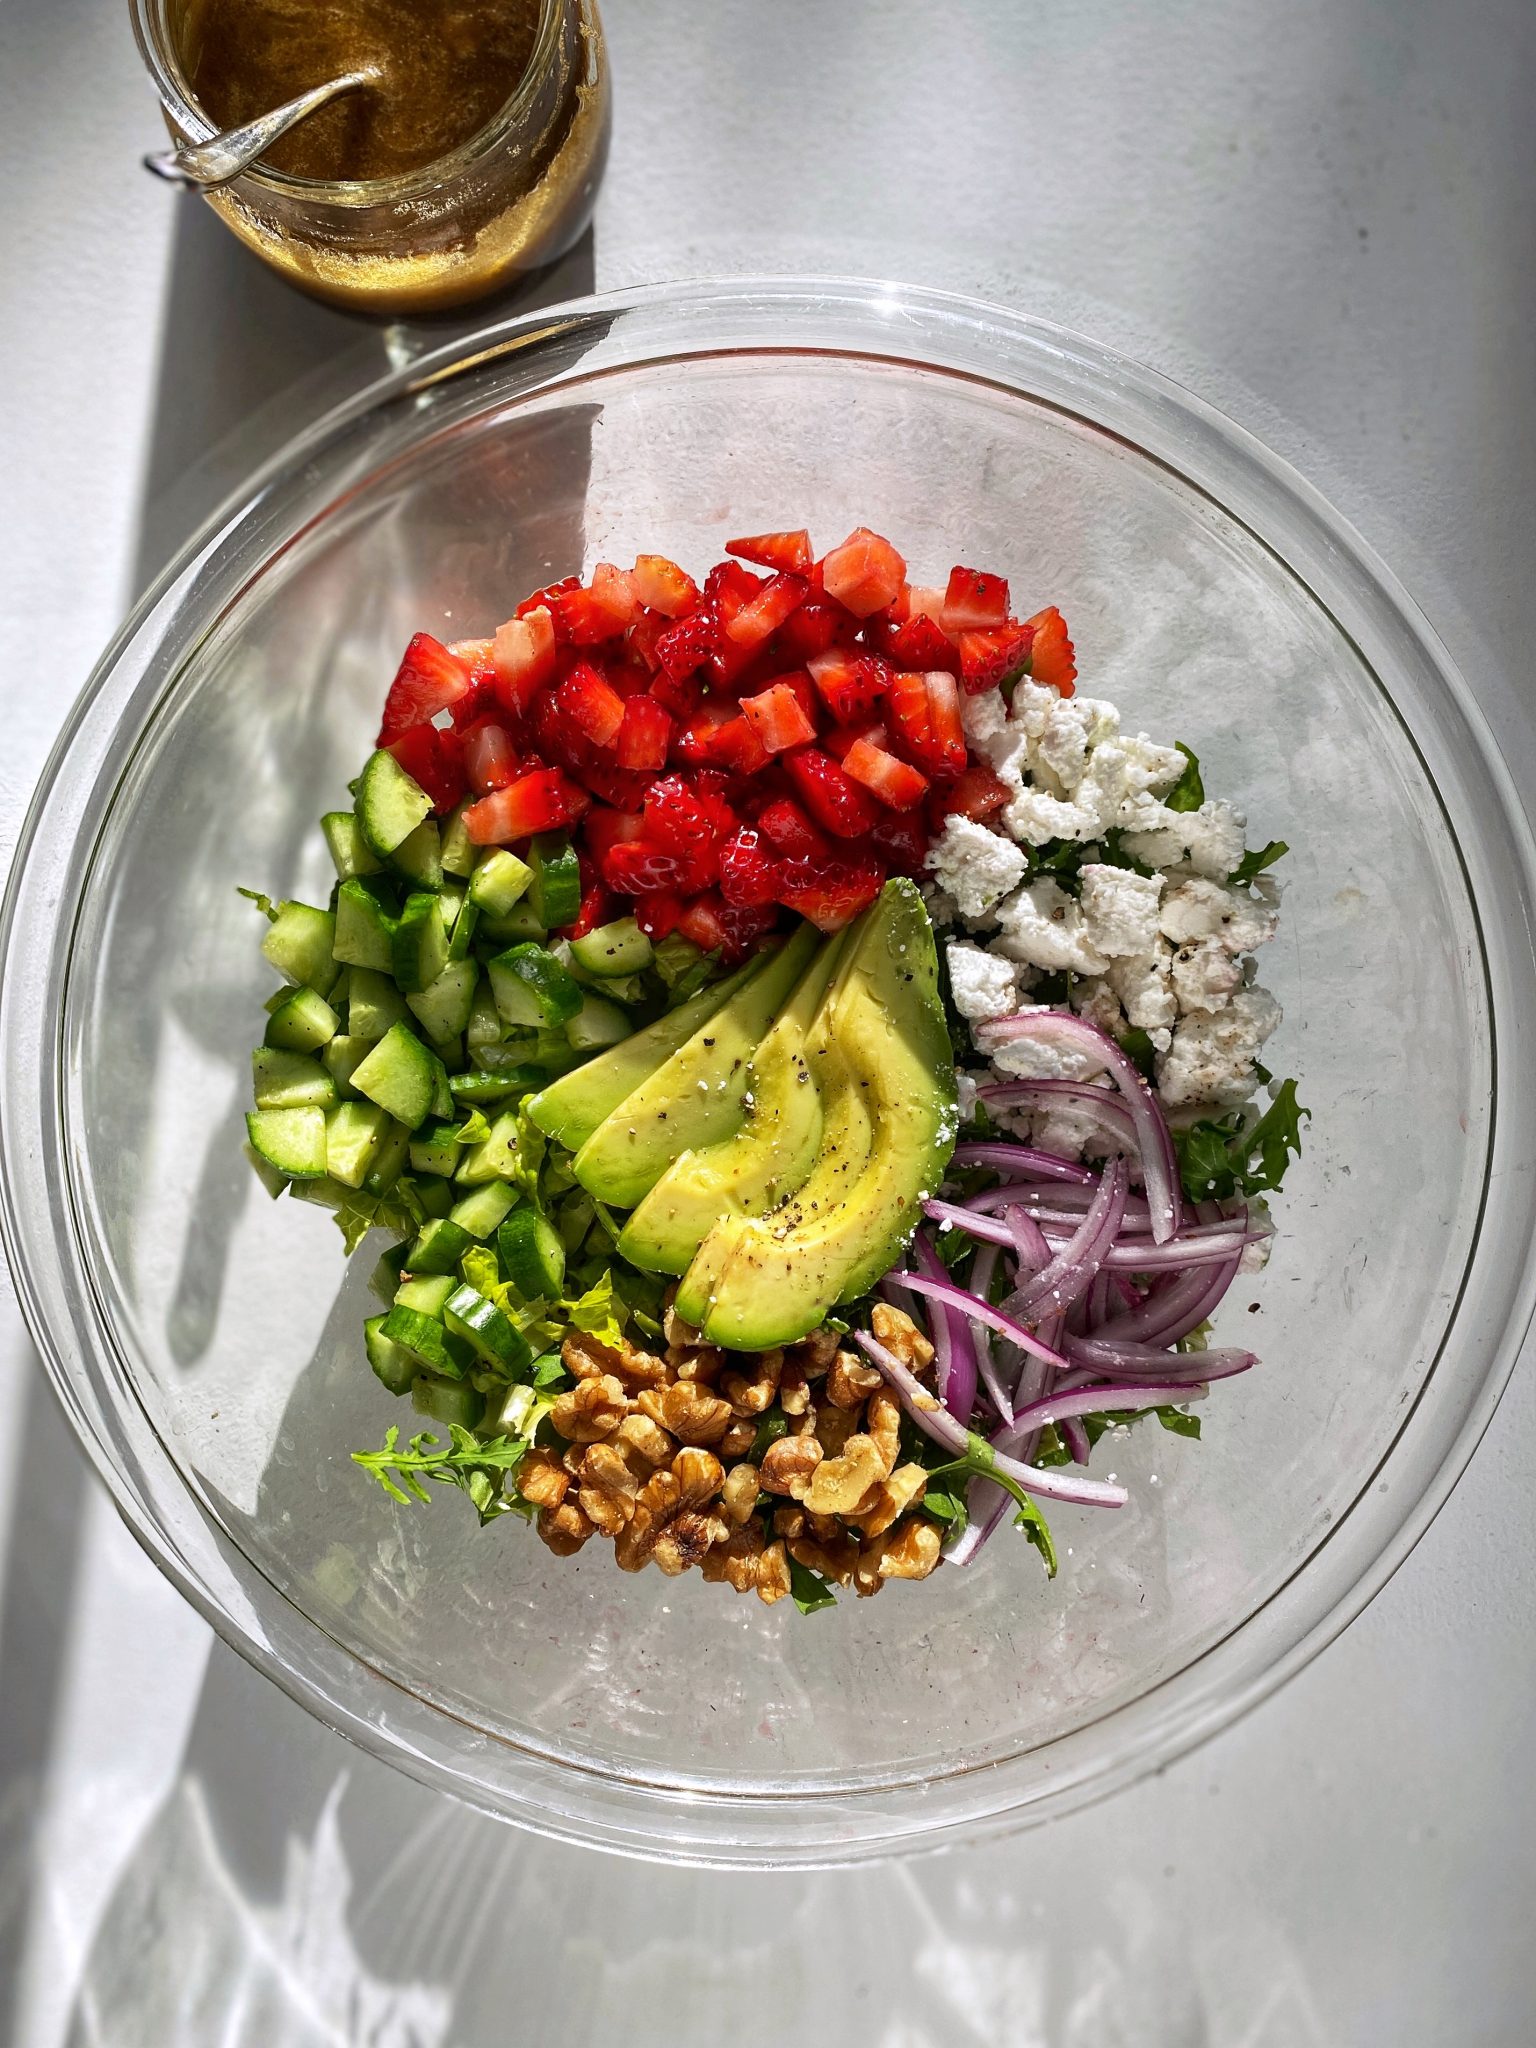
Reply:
x=1319 y=216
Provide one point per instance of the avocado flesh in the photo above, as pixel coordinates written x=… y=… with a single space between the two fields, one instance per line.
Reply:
x=758 y=1165
x=782 y=1273
x=698 y=1096
x=571 y=1108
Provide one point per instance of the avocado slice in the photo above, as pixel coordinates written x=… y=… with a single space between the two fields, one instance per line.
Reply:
x=758 y=1165
x=571 y=1108
x=699 y=1095
x=771 y=1280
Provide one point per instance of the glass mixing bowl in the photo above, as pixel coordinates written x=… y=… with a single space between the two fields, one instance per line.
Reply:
x=207 y=1341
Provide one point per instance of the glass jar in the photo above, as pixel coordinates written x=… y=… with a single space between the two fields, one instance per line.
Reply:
x=511 y=198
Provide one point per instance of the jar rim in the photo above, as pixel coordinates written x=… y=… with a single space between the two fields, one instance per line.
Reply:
x=161 y=60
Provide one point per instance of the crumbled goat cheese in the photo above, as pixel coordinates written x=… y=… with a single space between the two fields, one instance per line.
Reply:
x=1120 y=907
x=1205 y=975
x=1203 y=909
x=1094 y=999
x=1211 y=1057
x=976 y=866
x=1144 y=984
x=1210 y=839
x=984 y=985
x=1045 y=927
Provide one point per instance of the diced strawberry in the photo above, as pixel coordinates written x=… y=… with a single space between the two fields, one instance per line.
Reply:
x=831 y=893
x=787 y=551
x=728 y=587
x=643 y=638
x=615 y=590
x=626 y=676
x=973 y=601
x=925 y=601
x=490 y=758
x=925 y=720
x=688 y=822
x=833 y=800
x=597 y=907
x=777 y=718
x=919 y=643
x=813 y=627
x=864 y=574
x=743 y=924
x=428 y=680
x=623 y=788
x=434 y=759
x=787 y=829
x=749 y=873
x=979 y=793
x=586 y=619
x=991 y=654
x=591 y=704
x=841 y=738
x=895 y=784
x=604 y=828
x=657 y=916
x=661 y=584
x=545 y=599
x=639 y=867
x=534 y=803
x=701 y=922
x=687 y=646
x=901 y=838
x=851 y=683
x=644 y=735
x=762 y=616
x=737 y=748
x=557 y=739
x=523 y=656
x=476 y=656
x=694 y=745
x=1052 y=657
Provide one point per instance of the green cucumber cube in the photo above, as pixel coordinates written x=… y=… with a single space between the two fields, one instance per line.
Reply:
x=292 y=1140
x=302 y=1022
x=390 y=804
x=419 y=944
x=481 y=1212
x=354 y=1135
x=373 y=1003
x=439 y=1247
x=401 y=1075
x=299 y=943
x=349 y=850
x=364 y=928
x=290 y=1080
x=392 y=1364
x=499 y=881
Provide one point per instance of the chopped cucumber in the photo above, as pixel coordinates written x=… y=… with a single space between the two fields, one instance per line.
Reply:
x=483 y=1090
x=354 y=1135
x=531 y=1254
x=393 y=1365
x=342 y=1058
x=390 y=1163
x=482 y=1211
x=495 y=1157
x=444 y=1007
x=290 y=1080
x=349 y=850
x=447 y=1401
x=520 y=922
x=532 y=988
x=488 y=1329
x=425 y=1338
x=465 y=924
x=299 y=944
x=460 y=852
x=364 y=928
x=390 y=804
x=402 y=1076
x=426 y=1294
x=419 y=944
x=273 y=1181
x=439 y=1247
x=484 y=1025
x=499 y=881
x=419 y=856
x=384 y=1280
x=302 y=1022
x=598 y=1022
x=323 y=1191
x=435 y=1149
x=373 y=1003
x=292 y=1140
x=555 y=890
x=434 y=1194
x=617 y=948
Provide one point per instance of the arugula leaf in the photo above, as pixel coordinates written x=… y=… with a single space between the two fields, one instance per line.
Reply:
x=1225 y=1156
x=1138 y=1049
x=1113 y=853
x=1254 y=863
x=809 y=1590
x=450 y=1463
x=979 y=1461
x=773 y=1425
x=264 y=904
x=1178 y=1423
x=1188 y=793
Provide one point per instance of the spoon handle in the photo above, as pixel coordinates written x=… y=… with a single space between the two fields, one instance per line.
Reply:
x=206 y=164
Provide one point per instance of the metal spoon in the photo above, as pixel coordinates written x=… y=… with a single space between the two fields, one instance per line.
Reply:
x=206 y=164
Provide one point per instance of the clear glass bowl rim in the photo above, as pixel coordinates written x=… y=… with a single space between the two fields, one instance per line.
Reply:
x=784 y=1827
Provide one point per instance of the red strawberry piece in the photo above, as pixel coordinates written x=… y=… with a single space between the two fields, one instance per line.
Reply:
x=476 y=656
x=895 y=784
x=597 y=906
x=813 y=627
x=838 y=741
x=835 y=801
x=852 y=684
x=694 y=745
x=490 y=758
x=657 y=916
x=762 y=616
x=864 y=574
x=749 y=873
x=639 y=867
x=661 y=584
x=686 y=646
x=586 y=619
x=545 y=599
x=901 y=839
x=644 y=735
x=790 y=552
x=539 y=802
x=643 y=637
x=604 y=828
x=1052 y=657
x=591 y=704
x=973 y=601
x=925 y=601
x=919 y=643
x=743 y=924
x=428 y=680
x=777 y=719
x=831 y=893
x=925 y=721
x=978 y=793
x=737 y=748
x=523 y=657
x=615 y=589
x=787 y=829
x=687 y=821
x=624 y=788
x=992 y=654
x=728 y=587
x=679 y=695
x=435 y=760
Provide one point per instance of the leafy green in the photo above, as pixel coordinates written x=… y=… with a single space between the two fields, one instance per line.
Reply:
x=1188 y=793
x=773 y=1425
x=1053 y=1450
x=809 y=1590
x=1138 y=1049
x=454 y=1463
x=979 y=1461
x=474 y=1130
x=1113 y=853
x=1255 y=861
x=264 y=904
x=598 y=1312
x=1239 y=1155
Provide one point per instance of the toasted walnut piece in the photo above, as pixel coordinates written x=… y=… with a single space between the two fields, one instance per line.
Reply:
x=584 y=1358
x=675 y=1330
x=641 y=1440
x=692 y=1415
x=882 y=1425
x=634 y=1543
x=910 y=1550
x=699 y=1364
x=592 y=1409
x=698 y=1475
x=607 y=1512
x=772 y=1574
x=605 y=1465
x=687 y=1540
x=851 y=1381
x=788 y=1522
x=736 y=1560
x=833 y=1428
x=542 y=1479
x=788 y=1465
x=738 y=1493
x=571 y=1458
x=903 y=1490
x=749 y=1393
x=833 y=1556
x=840 y=1484
x=813 y=1354
x=895 y=1329
x=866 y=1571
x=794 y=1391
x=564 y=1528
x=738 y=1440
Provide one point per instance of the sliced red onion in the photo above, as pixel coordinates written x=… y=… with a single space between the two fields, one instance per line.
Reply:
x=954 y=1352
x=1075 y=1437
x=1031 y=1242
x=1075 y=1267
x=1101 y=1102
x=1021 y=1161
x=1144 y=1361
x=1058 y=1408
x=983 y=1266
x=978 y=1311
x=1174 y=1308
x=1060 y=1028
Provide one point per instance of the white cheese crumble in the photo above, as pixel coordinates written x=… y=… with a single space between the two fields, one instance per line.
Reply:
x=976 y=866
x=984 y=985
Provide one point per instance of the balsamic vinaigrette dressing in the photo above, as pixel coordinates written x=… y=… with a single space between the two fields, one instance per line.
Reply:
x=446 y=67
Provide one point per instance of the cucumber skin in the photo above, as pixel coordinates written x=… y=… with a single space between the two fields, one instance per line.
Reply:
x=390 y=805
x=400 y=1075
